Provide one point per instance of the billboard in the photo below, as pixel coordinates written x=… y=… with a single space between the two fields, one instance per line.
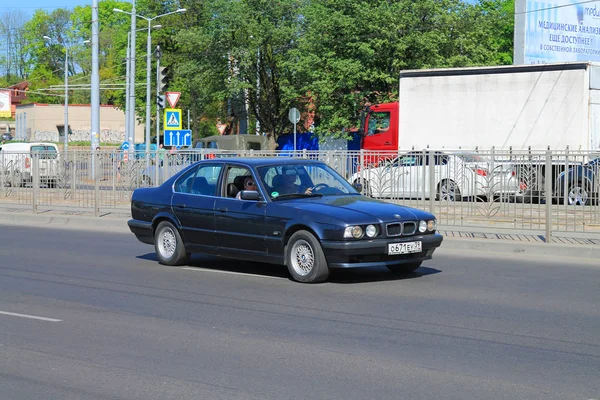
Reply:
x=5 y=111
x=556 y=31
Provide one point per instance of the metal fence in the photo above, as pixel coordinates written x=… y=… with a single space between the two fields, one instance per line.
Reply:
x=546 y=191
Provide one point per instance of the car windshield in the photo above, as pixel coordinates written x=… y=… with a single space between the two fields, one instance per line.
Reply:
x=472 y=158
x=303 y=180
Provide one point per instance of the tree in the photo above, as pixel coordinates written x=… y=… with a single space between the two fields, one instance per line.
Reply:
x=350 y=54
x=14 y=56
x=235 y=54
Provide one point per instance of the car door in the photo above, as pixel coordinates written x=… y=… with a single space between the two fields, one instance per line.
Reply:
x=410 y=175
x=240 y=224
x=193 y=204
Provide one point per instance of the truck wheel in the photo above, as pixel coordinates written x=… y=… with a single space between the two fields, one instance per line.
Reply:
x=448 y=191
x=168 y=245
x=305 y=259
x=404 y=268
x=578 y=195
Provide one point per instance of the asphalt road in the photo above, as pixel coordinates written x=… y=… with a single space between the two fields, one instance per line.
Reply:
x=91 y=315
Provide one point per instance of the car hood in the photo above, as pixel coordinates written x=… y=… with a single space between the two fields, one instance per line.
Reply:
x=357 y=209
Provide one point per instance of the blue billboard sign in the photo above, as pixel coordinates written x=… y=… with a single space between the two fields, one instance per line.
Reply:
x=556 y=31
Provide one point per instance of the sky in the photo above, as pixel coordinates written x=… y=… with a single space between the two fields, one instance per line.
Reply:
x=29 y=6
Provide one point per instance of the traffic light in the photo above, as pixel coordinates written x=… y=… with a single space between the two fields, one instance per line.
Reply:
x=163 y=79
x=160 y=101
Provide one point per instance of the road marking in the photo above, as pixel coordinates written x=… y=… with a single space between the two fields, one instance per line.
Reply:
x=30 y=316
x=231 y=273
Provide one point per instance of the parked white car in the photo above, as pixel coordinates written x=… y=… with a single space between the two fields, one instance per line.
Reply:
x=457 y=176
x=17 y=163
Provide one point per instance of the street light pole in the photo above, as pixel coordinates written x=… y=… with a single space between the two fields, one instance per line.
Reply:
x=131 y=115
x=66 y=111
x=158 y=54
x=148 y=84
x=66 y=128
x=128 y=129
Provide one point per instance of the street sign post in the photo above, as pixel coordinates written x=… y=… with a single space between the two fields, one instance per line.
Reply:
x=172 y=98
x=221 y=128
x=294 y=116
x=125 y=148
x=172 y=119
x=178 y=137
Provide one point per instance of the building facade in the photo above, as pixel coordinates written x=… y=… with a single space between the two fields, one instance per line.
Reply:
x=45 y=122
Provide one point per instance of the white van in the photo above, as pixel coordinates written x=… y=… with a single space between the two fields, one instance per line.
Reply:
x=16 y=162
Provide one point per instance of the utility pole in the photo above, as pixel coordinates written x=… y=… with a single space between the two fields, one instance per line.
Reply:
x=95 y=104
x=131 y=115
x=158 y=54
x=129 y=136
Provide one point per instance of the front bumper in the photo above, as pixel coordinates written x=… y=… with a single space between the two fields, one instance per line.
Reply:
x=374 y=253
x=142 y=230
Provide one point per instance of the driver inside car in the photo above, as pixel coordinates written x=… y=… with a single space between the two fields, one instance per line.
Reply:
x=286 y=183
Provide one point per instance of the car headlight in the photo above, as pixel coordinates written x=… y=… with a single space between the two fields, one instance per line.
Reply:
x=371 y=231
x=431 y=225
x=422 y=226
x=353 y=232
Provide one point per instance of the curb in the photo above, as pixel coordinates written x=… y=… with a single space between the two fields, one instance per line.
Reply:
x=526 y=249
x=65 y=221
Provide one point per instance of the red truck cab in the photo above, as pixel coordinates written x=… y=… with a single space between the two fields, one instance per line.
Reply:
x=379 y=127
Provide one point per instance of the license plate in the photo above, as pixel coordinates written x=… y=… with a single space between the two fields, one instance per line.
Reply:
x=405 y=248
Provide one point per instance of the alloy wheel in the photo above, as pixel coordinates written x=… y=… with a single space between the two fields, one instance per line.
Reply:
x=577 y=196
x=167 y=242
x=302 y=257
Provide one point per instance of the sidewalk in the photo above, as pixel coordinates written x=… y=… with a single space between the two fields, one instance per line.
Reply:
x=580 y=245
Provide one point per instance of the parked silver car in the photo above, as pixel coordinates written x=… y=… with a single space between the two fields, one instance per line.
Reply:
x=457 y=176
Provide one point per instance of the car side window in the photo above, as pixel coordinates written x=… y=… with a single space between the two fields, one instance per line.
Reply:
x=236 y=179
x=184 y=183
x=410 y=161
x=205 y=180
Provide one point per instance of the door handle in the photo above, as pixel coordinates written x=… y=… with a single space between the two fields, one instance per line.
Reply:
x=222 y=209
x=180 y=205
x=388 y=143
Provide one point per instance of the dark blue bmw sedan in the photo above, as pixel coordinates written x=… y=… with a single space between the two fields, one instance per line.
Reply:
x=294 y=212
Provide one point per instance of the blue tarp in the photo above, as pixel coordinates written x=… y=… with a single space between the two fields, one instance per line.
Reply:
x=309 y=141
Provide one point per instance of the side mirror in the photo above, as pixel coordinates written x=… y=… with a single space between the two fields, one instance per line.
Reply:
x=358 y=187
x=249 y=195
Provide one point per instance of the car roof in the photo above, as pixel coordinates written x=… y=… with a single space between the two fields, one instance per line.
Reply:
x=264 y=161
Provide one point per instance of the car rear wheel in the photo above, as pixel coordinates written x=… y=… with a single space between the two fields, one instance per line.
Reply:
x=168 y=245
x=305 y=259
x=448 y=191
x=579 y=194
x=404 y=268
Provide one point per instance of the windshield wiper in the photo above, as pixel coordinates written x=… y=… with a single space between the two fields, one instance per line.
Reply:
x=297 y=195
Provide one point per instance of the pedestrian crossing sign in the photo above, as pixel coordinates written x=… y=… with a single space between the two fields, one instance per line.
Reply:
x=172 y=119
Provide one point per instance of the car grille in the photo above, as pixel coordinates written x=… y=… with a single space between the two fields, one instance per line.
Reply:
x=401 y=228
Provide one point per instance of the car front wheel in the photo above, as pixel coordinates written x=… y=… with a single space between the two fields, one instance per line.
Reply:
x=404 y=268
x=168 y=244
x=305 y=259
